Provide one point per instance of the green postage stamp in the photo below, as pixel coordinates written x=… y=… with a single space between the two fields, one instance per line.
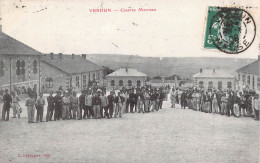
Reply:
x=231 y=30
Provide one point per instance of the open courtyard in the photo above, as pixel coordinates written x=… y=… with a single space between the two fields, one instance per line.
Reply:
x=169 y=135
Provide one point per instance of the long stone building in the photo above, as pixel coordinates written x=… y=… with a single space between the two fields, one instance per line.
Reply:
x=70 y=71
x=125 y=77
x=24 y=69
x=209 y=79
x=19 y=66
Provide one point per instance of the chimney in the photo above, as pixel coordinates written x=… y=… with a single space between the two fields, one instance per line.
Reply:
x=73 y=55
x=51 y=54
x=60 y=55
x=214 y=70
x=201 y=70
x=83 y=56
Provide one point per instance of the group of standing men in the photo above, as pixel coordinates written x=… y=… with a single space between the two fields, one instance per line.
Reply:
x=226 y=102
x=95 y=104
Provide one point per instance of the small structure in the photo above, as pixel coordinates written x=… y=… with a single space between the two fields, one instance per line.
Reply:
x=249 y=76
x=125 y=77
x=209 y=79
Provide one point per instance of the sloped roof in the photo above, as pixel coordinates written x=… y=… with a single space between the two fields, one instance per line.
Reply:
x=209 y=73
x=252 y=68
x=71 y=66
x=127 y=72
x=9 y=45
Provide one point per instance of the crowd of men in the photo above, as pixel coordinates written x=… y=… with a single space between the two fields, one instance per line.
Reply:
x=226 y=102
x=91 y=103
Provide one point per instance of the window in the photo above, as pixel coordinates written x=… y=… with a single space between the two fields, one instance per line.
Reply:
x=201 y=85
x=248 y=80
x=112 y=83
x=49 y=82
x=84 y=80
x=98 y=76
x=2 y=69
x=243 y=78
x=129 y=82
x=34 y=66
x=210 y=85
x=229 y=85
x=121 y=83
x=258 y=83
x=77 y=81
x=70 y=82
x=18 y=67
x=253 y=82
x=138 y=83
x=220 y=85
x=94 y=76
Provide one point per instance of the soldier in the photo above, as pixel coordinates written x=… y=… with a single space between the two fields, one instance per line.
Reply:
x=51 y=106
x=173 y=98
x=214 y=99
x=40 y=102
x=110 y=105
x=119 y=100
x=74 y=105
x=146 y=101
x=257 y=107
x=104 y=104
x=140 y=100
x=58 y=106
x=30 y=103
x=7 y=99
x=66 y=106
x=15 y=105
x=96 y=105
x=161 y=97
x=89 y=107
x=82 y=105
x=236 y=108
x=132 y=99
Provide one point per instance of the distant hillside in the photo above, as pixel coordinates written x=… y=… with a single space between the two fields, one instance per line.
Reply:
x=153 y=66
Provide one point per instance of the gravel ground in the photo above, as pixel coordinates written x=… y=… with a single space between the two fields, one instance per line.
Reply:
x=169 y=135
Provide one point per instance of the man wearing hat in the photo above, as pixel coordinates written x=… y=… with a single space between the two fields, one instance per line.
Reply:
x=7 y=100
x=110 y=106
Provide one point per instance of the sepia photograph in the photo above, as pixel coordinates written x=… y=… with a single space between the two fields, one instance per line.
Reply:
x=129 y=81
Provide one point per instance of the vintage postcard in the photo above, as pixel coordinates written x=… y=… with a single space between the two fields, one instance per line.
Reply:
x=129 y=81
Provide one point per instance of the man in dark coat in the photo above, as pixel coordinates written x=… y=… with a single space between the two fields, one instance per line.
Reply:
x=110 y=106
x=7 y=100
x=58 y=106
x=82 y=105
x=133 y=101
x=183 y=99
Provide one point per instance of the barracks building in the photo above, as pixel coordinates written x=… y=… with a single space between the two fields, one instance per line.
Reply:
x=25 y=69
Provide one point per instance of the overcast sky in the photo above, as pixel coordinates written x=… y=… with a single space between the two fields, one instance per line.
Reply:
x=175 y=29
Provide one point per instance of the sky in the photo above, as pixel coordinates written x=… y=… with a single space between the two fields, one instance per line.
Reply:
x=175 y=29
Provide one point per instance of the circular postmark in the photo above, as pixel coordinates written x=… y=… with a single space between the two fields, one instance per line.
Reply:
x=232 y=30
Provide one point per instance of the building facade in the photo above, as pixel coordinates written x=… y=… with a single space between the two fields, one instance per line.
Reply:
x=60 y=71
x=209 y=79
x=249 y=77
x=19 y=66
x=125 y=77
